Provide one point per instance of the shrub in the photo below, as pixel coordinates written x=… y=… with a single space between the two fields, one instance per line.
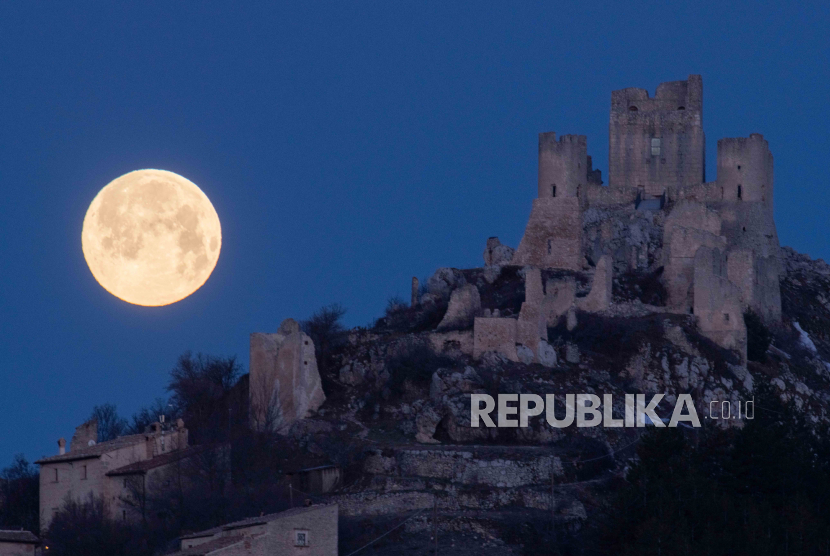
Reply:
x=414 y=363
x=326 y=330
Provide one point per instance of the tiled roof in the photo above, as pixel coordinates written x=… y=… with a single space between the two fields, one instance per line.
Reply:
x=18 y=536
x=96 y=450
x=141 y=467
x=252 y=521
x=210 y=546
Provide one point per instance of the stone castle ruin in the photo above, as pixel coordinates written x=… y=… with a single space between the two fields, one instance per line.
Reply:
x=714 y=242
x=713 y=246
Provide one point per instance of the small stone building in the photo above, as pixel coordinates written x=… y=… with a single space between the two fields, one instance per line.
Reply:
x=306 y=531
x=103 y=470
x=18 y=543
x=315 y=480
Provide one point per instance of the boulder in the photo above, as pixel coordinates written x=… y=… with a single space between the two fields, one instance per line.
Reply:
x=525 y=354
x=425 y=424
x=546 y=354
x=444 y=281
x=464 y=307
x=497 y=254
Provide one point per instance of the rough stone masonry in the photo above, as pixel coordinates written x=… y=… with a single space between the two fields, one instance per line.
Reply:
x=719 y=251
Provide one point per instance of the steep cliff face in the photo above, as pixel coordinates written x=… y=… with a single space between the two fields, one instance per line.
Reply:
x=402 y=394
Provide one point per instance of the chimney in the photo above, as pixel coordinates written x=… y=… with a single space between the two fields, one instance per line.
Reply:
x=61 y=446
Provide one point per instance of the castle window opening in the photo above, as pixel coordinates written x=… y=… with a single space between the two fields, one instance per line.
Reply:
x=681 y=107
x=56 y=476
x=550 y=251
x=739 y=166
x=124 y=515
x=744 y=228
x=553 y=190
x=726 y=317
x=632 y=108
x=740 y=192
x=83 y=472
x=655 y=146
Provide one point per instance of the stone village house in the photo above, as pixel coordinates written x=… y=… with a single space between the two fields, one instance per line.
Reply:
x=306 y=531
x=114 y=471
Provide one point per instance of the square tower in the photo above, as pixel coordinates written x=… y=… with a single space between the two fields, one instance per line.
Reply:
x=657 y=144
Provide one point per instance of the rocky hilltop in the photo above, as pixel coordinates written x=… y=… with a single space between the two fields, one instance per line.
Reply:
x=397 y=416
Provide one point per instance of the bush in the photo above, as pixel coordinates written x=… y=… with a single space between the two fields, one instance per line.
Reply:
x=326 y=330
x=414 y=363
x=84 y=529
x=758 y=337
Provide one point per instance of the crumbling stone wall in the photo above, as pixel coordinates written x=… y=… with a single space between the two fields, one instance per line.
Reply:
x=495 y=334
x=674 y=119
x=717 y=301
x=689 y=226
x=553 y=236
x=284 y=380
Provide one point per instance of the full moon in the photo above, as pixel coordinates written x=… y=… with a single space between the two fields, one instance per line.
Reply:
x=151 y=237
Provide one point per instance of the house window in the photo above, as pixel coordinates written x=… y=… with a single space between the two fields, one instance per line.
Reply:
x=740 y=192
x=655 y=146
x=301 y=537
x=83 y=472
x=553 y=190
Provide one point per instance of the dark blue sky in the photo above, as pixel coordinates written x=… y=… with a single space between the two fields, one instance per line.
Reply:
x=346 y=146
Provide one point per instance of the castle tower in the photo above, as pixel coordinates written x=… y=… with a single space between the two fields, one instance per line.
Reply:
x=657 y=144
x=553 y=236
x=745 y=169
x=563 y=165
x=745 y=187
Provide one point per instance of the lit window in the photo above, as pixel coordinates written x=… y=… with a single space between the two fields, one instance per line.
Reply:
x=301 y=537
x=655 y=146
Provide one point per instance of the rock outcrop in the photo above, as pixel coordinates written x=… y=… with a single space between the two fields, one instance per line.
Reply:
x=284 y=381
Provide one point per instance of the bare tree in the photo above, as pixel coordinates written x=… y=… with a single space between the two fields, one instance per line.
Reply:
x=202 y=388
x=266 y=412
x=110 y=424
x=19 y=493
